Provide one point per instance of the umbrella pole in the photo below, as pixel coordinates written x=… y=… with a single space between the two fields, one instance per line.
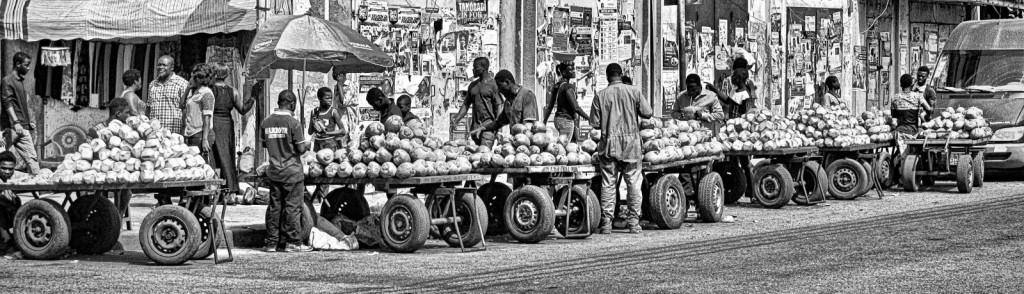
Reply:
x=302 y=107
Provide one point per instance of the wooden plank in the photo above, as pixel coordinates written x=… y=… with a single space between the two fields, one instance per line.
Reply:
x=92 y=187
x=396 y=181
x=537 y=169
x=776 y=152
x=647 y=166
x=943 y=142
x=859 y=147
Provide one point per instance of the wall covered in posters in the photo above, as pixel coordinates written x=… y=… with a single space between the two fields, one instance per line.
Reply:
x=816 y=52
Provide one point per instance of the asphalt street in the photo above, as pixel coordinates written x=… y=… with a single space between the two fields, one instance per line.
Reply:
x=932 y=241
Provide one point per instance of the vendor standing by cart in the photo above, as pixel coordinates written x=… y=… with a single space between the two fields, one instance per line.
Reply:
x=282 y=136
x=698 y=103
x=617 y=111
x=907 y=106
x=483 y=97
x=328 y=128
x=16 y=116
x=520 y=105
x=376 y=98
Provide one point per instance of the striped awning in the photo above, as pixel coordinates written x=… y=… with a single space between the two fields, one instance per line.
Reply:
x=35 y=20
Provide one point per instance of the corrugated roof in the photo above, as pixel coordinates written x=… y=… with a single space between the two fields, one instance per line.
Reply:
x=1002 y=34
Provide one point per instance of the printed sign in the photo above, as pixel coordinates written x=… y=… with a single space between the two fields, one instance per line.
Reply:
x=471 y=12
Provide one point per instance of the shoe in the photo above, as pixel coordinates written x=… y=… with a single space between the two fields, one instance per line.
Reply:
x=270 y=248
x=297 y=248
x=635 y=230
x=606 y=226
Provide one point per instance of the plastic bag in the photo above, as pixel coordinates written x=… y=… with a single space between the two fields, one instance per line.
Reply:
x=323 y=241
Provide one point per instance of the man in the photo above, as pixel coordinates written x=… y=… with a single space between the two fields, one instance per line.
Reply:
x=15 y=116
x=616 y=112
x=9 y=203
x=704 y=104
x=728 y=88
x=483 y=97
x=922 y=87
x=166 y=94
x=346 y=103
x=405 y=105
x=282 y=136
x=520 y=104
x=376 y=98
x=562 y=99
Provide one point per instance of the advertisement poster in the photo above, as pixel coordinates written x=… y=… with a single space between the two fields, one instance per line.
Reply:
x=706 y=54
x=583 y=40
x=471 y=12
x=721 y=56
x=459 y=130
x=370 y=81
x=576 y=16
x=560 y=29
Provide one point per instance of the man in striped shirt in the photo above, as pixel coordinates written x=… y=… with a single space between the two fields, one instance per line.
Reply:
x=166 y=94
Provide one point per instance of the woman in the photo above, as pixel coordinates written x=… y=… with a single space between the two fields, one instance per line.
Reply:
x=198 y=109
x=906 y=106
x=227 y=98
x=132 y=80
x=831 y=96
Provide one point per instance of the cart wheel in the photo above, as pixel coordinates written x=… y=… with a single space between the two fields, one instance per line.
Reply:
x=205 y=248
x=41 y=229
x=815 y=179
x=710 y=198
x=469 y=209
x=734 y=179
x=345 y=201
x=529 y=214
x=578 y=222
x=666 y=201
x=170 y=234
x=773 y=186
x=596 y=211
x=911 y=182
x=404 y=224
x=96 y=224
x=883 y=170
x=868 y=183
x=965 y=174
x=846 y=179
x=979 y=169
x=494 y=195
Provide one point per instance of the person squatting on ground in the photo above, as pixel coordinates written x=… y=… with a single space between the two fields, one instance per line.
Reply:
x=282 y=136
x=616 y=112
x=9 y=203
x=484 y=99
x=562 y=99
x=15 y=116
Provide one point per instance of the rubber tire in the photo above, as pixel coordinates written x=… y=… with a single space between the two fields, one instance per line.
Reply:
x=710 y=198
x=205 y=249
x=545 y=214
x=591 y=202
x=469 y=228
x=784 y=190
x=817 y=177
x=596 y=212
x=60 y=236
x=884 y=170
x=657 y=210
x=732 y=175
x=104 y=218
x=869 y=183
x=909 y=179
x=857 y=170
x=494 y=195
x=191 y=230
x=979 y=169
x=418 y=223
x=347 y=202
x=965 y=174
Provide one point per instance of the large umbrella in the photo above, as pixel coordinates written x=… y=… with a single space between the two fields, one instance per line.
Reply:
x=306 y=43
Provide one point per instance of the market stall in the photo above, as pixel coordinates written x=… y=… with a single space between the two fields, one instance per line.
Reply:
x=950 y=145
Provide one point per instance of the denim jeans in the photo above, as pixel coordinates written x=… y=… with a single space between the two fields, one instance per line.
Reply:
x=284 y=213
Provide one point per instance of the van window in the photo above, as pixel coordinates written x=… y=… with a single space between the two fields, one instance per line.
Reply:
x=1001 y=70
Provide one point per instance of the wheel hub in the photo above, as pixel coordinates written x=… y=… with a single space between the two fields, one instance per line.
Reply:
x=672 y=202
x=526 y=214
x=845 y=180
x=399 y=224
x=38 y=229
x=719 y=198
x=169 y=235
x=770 y=186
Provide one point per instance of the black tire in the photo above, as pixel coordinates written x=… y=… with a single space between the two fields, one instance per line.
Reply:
x=169 y=235
x=529 y=214
x=773 y=186
x=869 y=181
x=815 y=179
x=909 y=179
x=469 y=209
x=347 y=202
x=846 y=179
x=581 y=201
x=710 y=198
x=979 y=169
x=494 y=195
x=965 y=174
x=884 y=170
x=205 y=248
x=665 y=201
x=98 y=224
x=734 y=180
x=404 y=224
x=596 y=211
x=42 y=229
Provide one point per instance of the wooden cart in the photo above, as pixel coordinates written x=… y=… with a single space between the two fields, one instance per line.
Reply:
x=857 y=169
x=931 y=159
x=170 y=234
x=542 y=198
x=666 y=199
x=771 y=181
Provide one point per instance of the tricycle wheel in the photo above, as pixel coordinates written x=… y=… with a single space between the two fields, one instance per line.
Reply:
x=815 y=180
x=710 y=198
x=42 y=229
x=581 y=202
x=529 y=214
x=846 y=178
x=734 y=180
x=404 y=224
x=773 y=185
x=911 y=182
x=884 y=171
x=470 y=209
x=169 y=235
x=979 y=169
x=494 y=195
x=205 y=248
x=666 y=201
x=96 y=224
x=965 y=174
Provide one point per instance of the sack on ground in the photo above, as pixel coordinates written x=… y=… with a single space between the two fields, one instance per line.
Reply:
x=368 y=232
x=323 y=241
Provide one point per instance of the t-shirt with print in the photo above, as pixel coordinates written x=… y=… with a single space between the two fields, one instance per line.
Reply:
x=281 y=132
x=198 y=105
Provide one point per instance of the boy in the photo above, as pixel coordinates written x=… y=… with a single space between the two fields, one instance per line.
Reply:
x=282 y=136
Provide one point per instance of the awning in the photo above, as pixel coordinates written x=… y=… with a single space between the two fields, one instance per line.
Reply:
x=35 y=20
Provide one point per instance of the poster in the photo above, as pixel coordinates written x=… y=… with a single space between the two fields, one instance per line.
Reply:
x=721 y=54
x=408 y=18
x=583 y=40
x=471 y=12
x=559 y=28
x=576 y=16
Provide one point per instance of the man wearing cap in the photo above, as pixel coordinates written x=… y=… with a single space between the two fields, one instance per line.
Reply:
x=483 y=97
x=520 y=104
x=282 y=135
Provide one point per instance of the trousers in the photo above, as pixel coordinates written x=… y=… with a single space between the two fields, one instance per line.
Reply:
x=611 y=169
x=284 y=213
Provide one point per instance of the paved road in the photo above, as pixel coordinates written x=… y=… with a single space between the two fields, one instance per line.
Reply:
x=934 y=241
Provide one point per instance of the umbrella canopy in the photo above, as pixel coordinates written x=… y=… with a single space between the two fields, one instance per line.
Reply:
x=302 y=42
